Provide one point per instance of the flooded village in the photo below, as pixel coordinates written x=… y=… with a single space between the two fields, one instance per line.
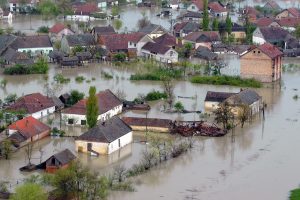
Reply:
x=176 y=100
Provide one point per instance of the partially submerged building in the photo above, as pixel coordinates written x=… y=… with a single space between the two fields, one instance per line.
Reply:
x=148 y=124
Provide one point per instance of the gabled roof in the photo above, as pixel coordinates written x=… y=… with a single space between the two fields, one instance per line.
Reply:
x=56 y=28
x=203 y=36
x=205 y=53
x=294 y=11
x=115 y=42
x=198 y=3
x=217 y=96
x=5 y=41
x=247 y=97
x=64 y=157
x=106 y=132
x=192 y=15
x=106 y=101
x=288 y=22
x=216 y=7
x=104 y=30
x=186 y=27
x=150 y=28
x=156 y=48
x=179 y=26
x=272 y=5
x=166 y=40
x=85 y=9
x=80 y=40
x=264 y=21
x=29 y=127
x=274 y=34
x=32 y=103
x=270 y=50
x=34 y=41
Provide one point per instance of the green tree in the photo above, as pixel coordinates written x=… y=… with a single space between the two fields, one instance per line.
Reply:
x=205 y=20
x=3 y=83
x=64 y=7
x=43 y=29
x=92 y=108
x=48 y=8
x=75 y=97
x=224 y=115
x=215 y=25
x=10 y=98
x=228 y=24
x=118 y=24
x=230 y=39
x=29 y=191
x=6 y=149
x=297 y=32
x=115 y=10
x=40 y=67
x=249 y=31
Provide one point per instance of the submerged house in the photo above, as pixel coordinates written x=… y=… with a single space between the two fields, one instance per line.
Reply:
x=109 y=105
x=150 y=124
x=202 y=38
x=213 y=99
x=27 y=130
x=105 y=138
x=60 y=160
x=35 y=105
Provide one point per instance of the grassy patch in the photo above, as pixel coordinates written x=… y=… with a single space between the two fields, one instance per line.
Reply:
x=226 y=80
x=106 y=75
x=79 y=79
x=157 y=75
x=295 y=194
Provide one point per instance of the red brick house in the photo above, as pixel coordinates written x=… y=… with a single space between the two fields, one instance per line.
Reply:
x=263 y=63
x=27 y=130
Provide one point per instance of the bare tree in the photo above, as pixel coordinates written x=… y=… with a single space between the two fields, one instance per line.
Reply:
x=120 y=94
x=119 y=173
x=168 y=85
x=28 y=152
x=243 y=114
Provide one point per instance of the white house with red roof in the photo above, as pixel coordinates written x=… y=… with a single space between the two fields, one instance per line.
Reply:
x=216 y=9
x=27 y=130
x=57 y=31
x=195 y=6
x=108 y=106
x=35 y=105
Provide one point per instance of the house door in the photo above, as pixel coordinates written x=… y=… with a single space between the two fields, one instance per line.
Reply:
x=89 y=146
x=119 y=143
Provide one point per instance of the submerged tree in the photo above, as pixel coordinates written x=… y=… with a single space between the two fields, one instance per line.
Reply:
x=92 y=108
x=243 y=114
x=118 y=24
x=168 y=86
x=29 y=191
x=224 y=115
x=5 y=148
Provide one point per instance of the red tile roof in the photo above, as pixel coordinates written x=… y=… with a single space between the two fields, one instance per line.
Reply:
x=32 y=103
x=106 y=101
x=29 y=127
x=167 y=40
x=294 y=11
x=177 y=27
x=199 y=4
x=265 y=21
x=57 y=28
x=288 y=22
x=85 y=9
x=210 y=35
x=270 y=50
x=216 y=7
x=115 y=42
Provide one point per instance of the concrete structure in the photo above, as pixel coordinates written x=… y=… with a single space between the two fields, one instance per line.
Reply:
x=105 y=138
x=263 y=63
x=109 y=105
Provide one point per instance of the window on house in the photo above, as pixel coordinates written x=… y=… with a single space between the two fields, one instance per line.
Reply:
x=171 y=53
x=83 y=122
x=253 y=51
x=70 y=121
x=193 y=7
x=258 y=51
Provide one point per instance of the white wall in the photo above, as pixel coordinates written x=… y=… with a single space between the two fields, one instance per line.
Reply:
x=166 y=58
x=258 y=40
x=105 y=116
x=192 y=8
x=36 y=51
x=124 y=140
x=43 y=113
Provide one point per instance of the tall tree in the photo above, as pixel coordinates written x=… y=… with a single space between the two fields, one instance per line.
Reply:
x=205 y=20
x=297 y=32
x=228 y=24
x=92 y=108
x=215 y=25
x=118 y=24
x=249 y=31
x=29 y=191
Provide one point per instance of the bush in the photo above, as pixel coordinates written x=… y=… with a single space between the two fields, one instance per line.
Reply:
x=43 y=29
x=106 y=75
x=121 y=57
x=295 y=194
x=226 y=80
x=40 y=67
x=79 y=79
x=155 y=95
x=157 y=75
x=179 y=106
x=59 y=78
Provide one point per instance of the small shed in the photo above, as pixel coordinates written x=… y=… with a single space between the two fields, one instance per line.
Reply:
x=70 y=61
x=150 y=124
x=57 y=161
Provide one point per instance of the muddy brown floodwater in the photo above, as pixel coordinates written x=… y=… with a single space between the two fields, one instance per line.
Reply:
x=260 y=161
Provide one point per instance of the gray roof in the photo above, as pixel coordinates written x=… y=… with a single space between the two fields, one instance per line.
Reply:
x=80 y=40
x=205 y=53
x=64 y=157
x=106 y=132
x=34 y=41
x=151 y=28
x=104 y=29
x=274 y=34
x=5 y=41
x=247 y=97
x=218 y=96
